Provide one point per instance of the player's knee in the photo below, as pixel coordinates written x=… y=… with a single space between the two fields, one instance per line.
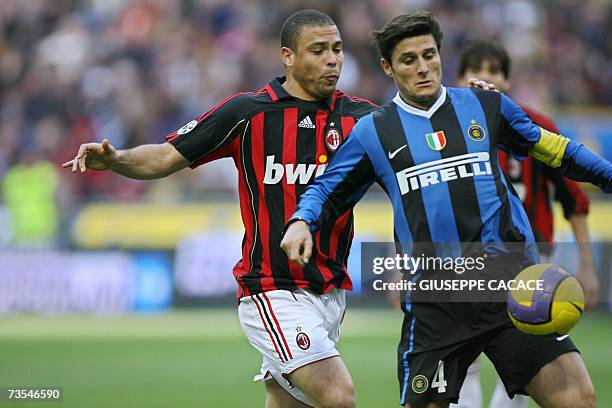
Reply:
x=585 y=397
x=589 y=401
x=339 y=397
x=344 y=401
x=581 y=395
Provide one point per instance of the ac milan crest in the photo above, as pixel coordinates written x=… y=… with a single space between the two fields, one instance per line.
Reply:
x=302 y=340
x=333 y=139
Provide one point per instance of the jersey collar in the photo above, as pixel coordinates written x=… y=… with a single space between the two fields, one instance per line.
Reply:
x=420 y=112
x=278 y=93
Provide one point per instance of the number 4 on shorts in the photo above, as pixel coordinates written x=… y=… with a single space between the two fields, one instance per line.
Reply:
x=438 y=379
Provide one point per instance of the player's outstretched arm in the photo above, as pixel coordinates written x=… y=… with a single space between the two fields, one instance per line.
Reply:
x=143 y=162
x=581 y=164
x=574 y=160
x=341 y=185
x=297 y=242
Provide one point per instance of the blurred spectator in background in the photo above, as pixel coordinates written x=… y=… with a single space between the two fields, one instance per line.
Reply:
x=29 y=191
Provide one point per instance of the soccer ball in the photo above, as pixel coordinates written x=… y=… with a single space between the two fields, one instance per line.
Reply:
x=553 y=308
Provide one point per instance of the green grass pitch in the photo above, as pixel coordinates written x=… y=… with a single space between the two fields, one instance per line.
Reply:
x=201 y=358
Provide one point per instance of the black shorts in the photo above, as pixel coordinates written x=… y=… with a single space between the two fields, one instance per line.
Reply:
x=438 y=374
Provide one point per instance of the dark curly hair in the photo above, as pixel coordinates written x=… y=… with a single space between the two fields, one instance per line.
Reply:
x=406 y=26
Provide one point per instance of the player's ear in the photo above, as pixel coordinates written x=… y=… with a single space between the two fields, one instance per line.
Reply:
x=386 y=67
x=287 y=56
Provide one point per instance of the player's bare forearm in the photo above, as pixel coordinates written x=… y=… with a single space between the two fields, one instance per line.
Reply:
x=147 y=162
x=586 y=274
x=143 y=162
x=581 y=233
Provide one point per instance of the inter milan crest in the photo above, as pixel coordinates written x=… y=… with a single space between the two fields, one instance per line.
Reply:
x=436 y=140
x=332 y=138
x=420 y=384
x=476 y=132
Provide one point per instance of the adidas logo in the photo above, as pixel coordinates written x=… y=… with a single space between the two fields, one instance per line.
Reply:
x=306 y=123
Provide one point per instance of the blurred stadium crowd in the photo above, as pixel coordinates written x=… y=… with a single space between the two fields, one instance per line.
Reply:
x=73 y=71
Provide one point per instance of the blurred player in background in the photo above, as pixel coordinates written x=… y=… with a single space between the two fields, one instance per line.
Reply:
x=280 y=138
x=434 y=152
x=489 y=61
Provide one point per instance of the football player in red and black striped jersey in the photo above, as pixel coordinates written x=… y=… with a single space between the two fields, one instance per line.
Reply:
x=280 y=138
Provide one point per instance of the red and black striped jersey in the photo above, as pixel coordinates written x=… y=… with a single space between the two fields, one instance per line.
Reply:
x=279 y=143
x=532 y=181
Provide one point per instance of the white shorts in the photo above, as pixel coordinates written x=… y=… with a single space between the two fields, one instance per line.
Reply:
x=291 y=330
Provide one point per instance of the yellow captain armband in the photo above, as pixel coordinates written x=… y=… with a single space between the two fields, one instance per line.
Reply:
x=550 y=149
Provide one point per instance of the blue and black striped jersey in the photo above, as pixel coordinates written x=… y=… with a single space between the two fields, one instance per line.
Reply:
x=441 y=171
x=440 y=168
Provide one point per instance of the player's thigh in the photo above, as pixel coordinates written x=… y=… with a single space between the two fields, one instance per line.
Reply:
x=277 y=397
x=564 y=382
x=519 y=357
x=326 y=382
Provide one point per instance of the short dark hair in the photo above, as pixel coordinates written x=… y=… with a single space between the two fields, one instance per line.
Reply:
x=304 y=18
x=479 y=50
x=406 y=26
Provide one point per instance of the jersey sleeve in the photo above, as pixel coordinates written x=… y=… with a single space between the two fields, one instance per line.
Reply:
x=581 y=164
x=521 y=136
x=518 y=133
x=342 y=184
x=213 y=135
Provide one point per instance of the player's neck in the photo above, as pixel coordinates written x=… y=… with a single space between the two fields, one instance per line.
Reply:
x=294 y=89
x=421 y=104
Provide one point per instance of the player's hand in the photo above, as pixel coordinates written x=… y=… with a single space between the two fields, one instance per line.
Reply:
x=96 y=156
x=477 y=83
x=590 y=284
x=297 y=242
